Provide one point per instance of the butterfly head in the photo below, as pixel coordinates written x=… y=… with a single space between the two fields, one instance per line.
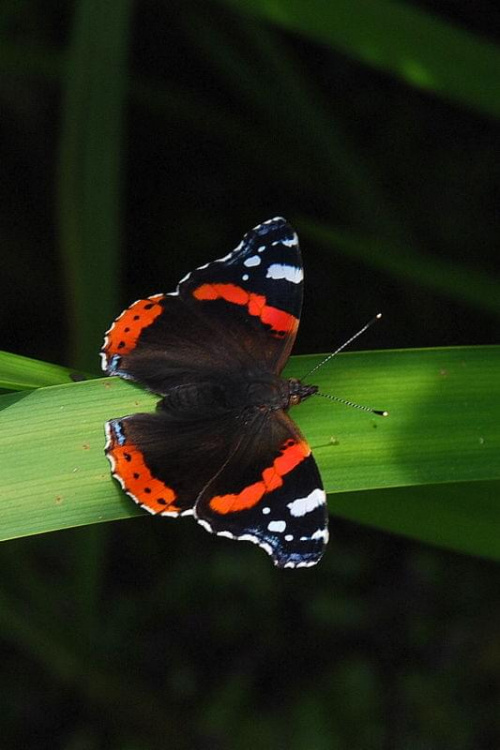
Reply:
x=297 y=391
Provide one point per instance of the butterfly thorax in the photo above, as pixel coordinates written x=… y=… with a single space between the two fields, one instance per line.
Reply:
x=215 y=396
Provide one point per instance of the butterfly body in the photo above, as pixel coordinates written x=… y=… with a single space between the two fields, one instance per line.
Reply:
x=242 y=395
x=221 y=445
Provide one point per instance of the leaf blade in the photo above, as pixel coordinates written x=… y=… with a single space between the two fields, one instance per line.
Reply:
x=463 y=517
x=18 y=373
x=444 y=427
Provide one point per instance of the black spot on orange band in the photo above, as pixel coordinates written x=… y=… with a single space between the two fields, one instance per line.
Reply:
x=130 y=467
x=123 y=335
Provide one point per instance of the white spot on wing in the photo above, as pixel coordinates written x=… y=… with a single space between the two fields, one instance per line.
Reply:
x=278 y=526
x=318 y=534
x=289 y=273
x=245 y=277
x=288 y=243
x=253 y=260
x=304 y=505
x=266 y=510
x=321 y=534
x=300 y=564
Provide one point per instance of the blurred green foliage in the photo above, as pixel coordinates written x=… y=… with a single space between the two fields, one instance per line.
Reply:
x=140 y=140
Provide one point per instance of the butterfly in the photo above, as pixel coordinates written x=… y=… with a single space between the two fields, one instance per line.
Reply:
x=221 y=445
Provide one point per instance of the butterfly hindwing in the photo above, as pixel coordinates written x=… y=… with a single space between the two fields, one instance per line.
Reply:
x=270 y=492
x=164 y=463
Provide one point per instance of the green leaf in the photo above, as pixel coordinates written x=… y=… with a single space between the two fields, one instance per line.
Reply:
x=423 y=50
x=89 y=169
x=443 y=429
x=19 y=373
x=462 y=516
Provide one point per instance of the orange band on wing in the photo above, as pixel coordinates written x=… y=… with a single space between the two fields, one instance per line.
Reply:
x=130 y=468
x=281 y=322
x=292 y=454
x=123 y=334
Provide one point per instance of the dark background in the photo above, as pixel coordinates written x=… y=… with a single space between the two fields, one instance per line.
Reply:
x=152 y=634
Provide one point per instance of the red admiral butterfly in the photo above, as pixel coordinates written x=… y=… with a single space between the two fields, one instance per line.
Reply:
x=221 y=445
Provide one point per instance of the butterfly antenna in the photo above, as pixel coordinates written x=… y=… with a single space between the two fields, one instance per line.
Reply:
x=346 y=402
x=379 y=412
x=346 y=343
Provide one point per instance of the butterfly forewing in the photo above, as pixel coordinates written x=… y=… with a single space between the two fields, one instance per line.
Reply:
x=255 y=293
